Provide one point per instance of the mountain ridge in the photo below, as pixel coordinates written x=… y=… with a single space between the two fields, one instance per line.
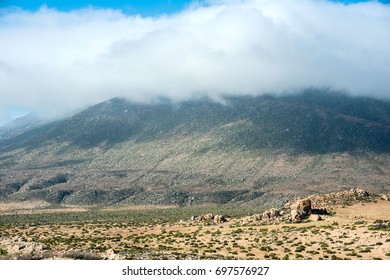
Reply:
x=251 y=150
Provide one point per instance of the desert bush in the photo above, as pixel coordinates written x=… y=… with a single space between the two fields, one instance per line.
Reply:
x=365 y=250
x=3 y=252
x=300 y=248
x=266 y=248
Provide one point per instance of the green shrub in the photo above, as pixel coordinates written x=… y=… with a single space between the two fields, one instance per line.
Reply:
x=300 y=248
x=266 y=248
x=365 y=250
x=3 y=252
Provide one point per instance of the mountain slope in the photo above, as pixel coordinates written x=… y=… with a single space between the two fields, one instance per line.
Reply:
x=249 y=150
x=20 y=125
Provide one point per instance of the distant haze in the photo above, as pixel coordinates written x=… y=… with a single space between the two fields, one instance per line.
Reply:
x=52 y=62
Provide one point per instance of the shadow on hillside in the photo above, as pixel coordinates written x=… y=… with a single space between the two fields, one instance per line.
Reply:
x=315 y=121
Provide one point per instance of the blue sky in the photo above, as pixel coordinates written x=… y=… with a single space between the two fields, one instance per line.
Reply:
x=66 y=57
x=143 y=7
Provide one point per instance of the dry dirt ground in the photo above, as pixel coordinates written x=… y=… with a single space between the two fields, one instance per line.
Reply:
x=41 y=206
x=349 y=233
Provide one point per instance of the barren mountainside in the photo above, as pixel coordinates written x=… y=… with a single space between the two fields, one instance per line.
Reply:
x=249 y=150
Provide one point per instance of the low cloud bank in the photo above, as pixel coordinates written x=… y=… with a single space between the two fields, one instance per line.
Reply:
x=53 y=61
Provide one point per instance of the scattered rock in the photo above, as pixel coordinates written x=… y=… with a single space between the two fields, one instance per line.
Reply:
x=110 y=252
x=111 y=255
x=211 y=217
x=359 y=193
x=218 y=219
x=18 y=249
x=270 y=214
x=385 y=197
x=256 y=217
x=207 y=217
x=315 y=218
x=82 y=255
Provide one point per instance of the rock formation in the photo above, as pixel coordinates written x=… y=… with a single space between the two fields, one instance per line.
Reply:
x=315 y=218
x=303 y=205
x=385 y=197
x=217 y=219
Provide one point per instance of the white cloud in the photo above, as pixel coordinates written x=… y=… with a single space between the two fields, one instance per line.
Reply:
x=55 y=61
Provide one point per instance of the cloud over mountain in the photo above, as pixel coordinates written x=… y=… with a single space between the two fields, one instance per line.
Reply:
x=56 y=61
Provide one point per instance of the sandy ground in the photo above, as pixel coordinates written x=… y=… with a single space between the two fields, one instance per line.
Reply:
x=36 y=207
x=345 y=235
x=41 y=206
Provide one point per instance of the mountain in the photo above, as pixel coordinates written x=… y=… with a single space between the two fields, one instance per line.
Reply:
x=248 y=150
x=20 y=125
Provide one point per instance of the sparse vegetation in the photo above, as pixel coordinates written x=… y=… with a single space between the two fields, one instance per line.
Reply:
x=169 y=234
x=3 y=252
x=179 y=154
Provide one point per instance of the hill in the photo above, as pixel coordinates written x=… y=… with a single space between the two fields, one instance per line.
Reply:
x=249 y=150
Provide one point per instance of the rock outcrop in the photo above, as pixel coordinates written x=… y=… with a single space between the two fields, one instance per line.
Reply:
x=386 y=197
x=300 y=209
x=269 y=216
x=19 y=249
x=348 y=197
x=296 y=215
x=217 y=219
x=311 y=208
x=303 y=205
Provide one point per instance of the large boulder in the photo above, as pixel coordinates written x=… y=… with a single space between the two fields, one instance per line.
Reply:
x=303 y=205
x=111 y=254
x=256 y=217
x=296 y=215
x=386 y=197
x=218 y=219
x=315 y=218
x=206 y=217
x=270 y=214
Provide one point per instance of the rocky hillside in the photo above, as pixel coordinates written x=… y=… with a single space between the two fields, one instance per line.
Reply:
x=248 y=150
